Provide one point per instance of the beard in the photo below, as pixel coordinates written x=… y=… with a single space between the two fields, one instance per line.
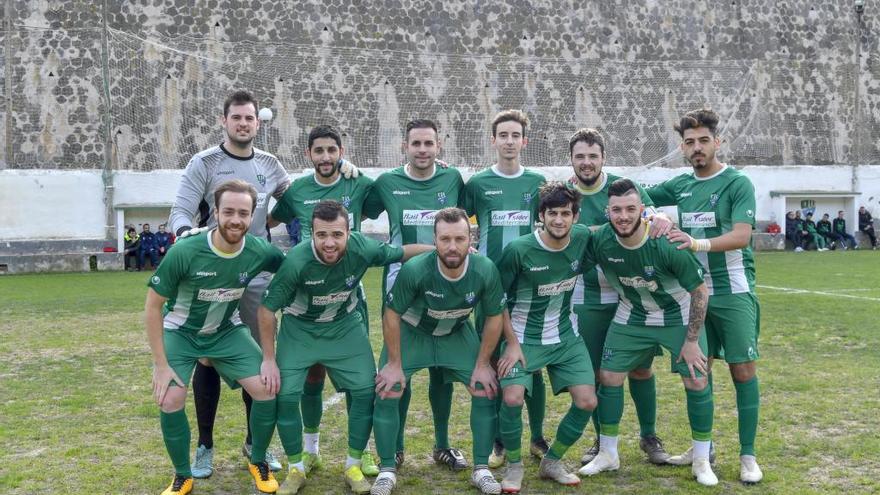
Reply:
x=240 y=142
x=230 y=237
x=588 y=181
x=557 y=236
x=326 y=175
x=626 y=233
x=452 y=265
x=339 y=255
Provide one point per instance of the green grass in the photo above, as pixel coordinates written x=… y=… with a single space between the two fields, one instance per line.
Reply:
x=76 y=415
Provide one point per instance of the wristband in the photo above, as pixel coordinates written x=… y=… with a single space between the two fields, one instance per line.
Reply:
x=700 y=245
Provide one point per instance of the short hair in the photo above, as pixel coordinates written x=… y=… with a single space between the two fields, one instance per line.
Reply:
x=809 y=215
x=450 y=215
x=825 y=215
x=510 y=116
x=239 y=97
x=132 y=229
x=324 y=131
x=329 y=211
x=420 y=124
x=704 y=117
x=237 y=186
x=555 y=194
x=587 y=135
x=622 y=187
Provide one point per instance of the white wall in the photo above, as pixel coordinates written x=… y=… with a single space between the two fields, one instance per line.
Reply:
x=53 y=204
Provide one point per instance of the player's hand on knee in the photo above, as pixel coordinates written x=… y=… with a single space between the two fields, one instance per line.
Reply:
x=348 y=170
x=162 y=377
x=192 y=232
x=270 y=376
x=694 y=357
x=387 y=380
x=483 y=375
x=512 y=355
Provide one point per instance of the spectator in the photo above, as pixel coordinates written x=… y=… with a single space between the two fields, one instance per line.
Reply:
x=164 y=240
x=840 y=230
x=793 y=231
x=149 y=247
x=294 y=231
x=825 y=230
x=813 y=234
x=866 y=226
x=132 y=245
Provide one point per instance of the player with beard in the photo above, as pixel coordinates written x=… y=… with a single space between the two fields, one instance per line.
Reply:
x=427 y=324
x=538 y=273
x=663 y=302
x=595 y=301
x=716 y=210
x=317 y=289
x=191 y=313
x=326 y=153
x=411 y=195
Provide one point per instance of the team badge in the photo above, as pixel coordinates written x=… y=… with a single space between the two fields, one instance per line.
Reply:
x=575 y=265
x=243 y=278
x=606 y=354
x=470 y=297
x=154 y=279
x=350 y=281
x=527 y=198
x=261 y=179
x=441 y=198
x=649 y=271
x=713 y=200
x=346 y=201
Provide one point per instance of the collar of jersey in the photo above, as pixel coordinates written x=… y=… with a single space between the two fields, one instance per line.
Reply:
x=640 y=244
x=599 y=187
x=716 y=174
x=236 y=157
x=541 y=243
x=221 y=253
x=467 y=260
x=320 y=184
x=499 y=173
x=406 y=173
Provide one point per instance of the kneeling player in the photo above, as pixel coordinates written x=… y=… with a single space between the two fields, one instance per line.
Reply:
x=662 y=302
x=318 y=288
x=426 y=324
x=200 y=283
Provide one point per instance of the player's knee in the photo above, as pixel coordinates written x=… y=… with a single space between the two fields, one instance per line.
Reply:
x=174 y=400
x=585 y=400
x=697 y=384
x=611 y=378
x=513 y=397
x=641 y=374
x=743 y=372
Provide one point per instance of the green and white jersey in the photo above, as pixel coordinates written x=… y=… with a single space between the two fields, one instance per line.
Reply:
x=709 y=207
x=592 y=290
x=321 y=298
x=411 y=205
x=506 y=206
x=539 y=283
x=653 y=279
x=429 y=302
x=203 y=285
x=301 y=197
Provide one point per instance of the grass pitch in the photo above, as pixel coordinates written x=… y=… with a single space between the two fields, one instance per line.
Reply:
x=76 y=413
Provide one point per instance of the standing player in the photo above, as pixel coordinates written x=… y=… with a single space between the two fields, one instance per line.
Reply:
x=326 y=153
x=716 y=210
x=317 y=287
x=662 y=302
x=538 y=272
x=595 y=302
x=412 y=194
x=235 y=158
x=505 y=200
x=192 y=313
x=427 y=324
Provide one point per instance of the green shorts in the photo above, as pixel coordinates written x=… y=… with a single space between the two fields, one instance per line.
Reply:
x=733 y=322
x=455 y=353
x=567 y=363
x=348 y=358
x=362 y=308
x=629 y=345
x=593 y=323
x=233 y=353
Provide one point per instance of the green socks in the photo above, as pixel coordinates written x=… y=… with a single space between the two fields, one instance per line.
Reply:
x=700 y=408
x=483 y=422
x=290 y=426
x=386 y=425
x=610 y=409
x=312 y=406
x=535 y=405
x=403 y=408
x=175 y=432
x=263 y=414
x=569 y=431
x=748 y=402
x=440 y=396
x=360 y=418
x=510 y=419
x=644 y=396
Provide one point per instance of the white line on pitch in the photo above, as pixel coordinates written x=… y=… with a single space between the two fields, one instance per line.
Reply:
x=790 y=290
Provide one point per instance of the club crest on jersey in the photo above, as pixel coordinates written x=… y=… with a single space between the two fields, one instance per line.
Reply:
x=606 y=354
x=346 y=201
x=713 y=200
x=649 y=271
x=154 y=279
x=350 y=281
x=243 y=278
x=441 y=198
x=470 y=297
x=261 y=179
x=527 y=197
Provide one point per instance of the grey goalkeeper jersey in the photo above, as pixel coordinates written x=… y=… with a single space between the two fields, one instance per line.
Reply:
x=214 y=166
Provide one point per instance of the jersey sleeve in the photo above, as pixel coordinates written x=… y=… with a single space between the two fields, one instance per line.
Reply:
x=381 y=253
x=742 y=208
x=190 y=193
x=170 y=272
x=373 y=203
x=686 y=267
x=274 y=258
x=508 y=267
x=646 y=198
x=282 y=289
x=662 y=194
x=281 y=178
x=591 y=257
x=468 y=194
x=405 y=289
x=284 y=209
x=492 y=300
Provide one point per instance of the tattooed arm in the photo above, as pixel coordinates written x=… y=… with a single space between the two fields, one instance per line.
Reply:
x=690 y=351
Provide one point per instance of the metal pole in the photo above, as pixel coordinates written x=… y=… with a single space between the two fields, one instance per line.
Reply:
x=107 y=173
x=7 y=62
x=857 y=141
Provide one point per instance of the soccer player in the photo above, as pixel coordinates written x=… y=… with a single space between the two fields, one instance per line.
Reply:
x=595 y=302
x=411 y=195
x=538 y=272
x=504 y=199
x=427 y=324
x=716 y=210
x=317 y=287
x=662 y=302
x=326 y=152
x=235 y=158
x=191 y=313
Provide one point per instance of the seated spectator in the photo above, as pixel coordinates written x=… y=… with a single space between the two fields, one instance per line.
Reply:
x=793 y=231
x=825 y=230
x=148 y=247
x=813 y=234
x=164 y=240
x=132 y=246
x=839 y=226
x=866 y=226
